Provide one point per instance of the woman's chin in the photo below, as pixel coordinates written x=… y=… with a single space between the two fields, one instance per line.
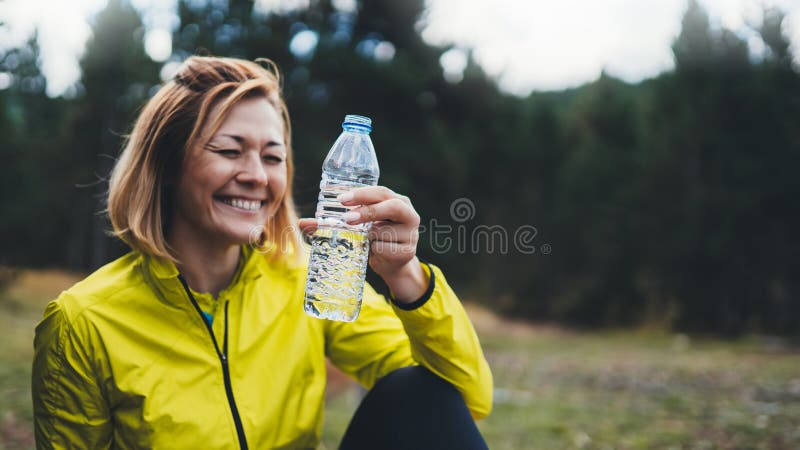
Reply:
x=247 y=234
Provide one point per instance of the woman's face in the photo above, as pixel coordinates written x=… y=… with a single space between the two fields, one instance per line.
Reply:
x=233 y=181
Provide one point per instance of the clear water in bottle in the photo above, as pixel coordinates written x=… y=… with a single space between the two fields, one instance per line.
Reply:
x=339 y=251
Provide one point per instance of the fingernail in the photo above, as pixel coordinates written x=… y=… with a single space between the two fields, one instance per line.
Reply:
x=345 y=197
x=351 y=216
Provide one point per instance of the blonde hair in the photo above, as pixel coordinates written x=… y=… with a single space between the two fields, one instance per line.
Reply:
x=140 y=189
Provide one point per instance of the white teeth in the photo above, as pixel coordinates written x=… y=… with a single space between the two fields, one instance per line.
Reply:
x=249 y=205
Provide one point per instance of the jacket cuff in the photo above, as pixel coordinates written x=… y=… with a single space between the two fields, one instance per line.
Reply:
x=425 y=296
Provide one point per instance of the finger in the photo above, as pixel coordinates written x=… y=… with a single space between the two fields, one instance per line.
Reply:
x=393 y=210
x=391 y=232
x=405 y=199
x=308 y=226
x=393 y=251
x=366 y=195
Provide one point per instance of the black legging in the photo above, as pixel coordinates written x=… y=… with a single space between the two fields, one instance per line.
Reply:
x=412 y=409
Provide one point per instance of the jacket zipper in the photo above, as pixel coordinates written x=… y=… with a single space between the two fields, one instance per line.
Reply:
x=223 y=358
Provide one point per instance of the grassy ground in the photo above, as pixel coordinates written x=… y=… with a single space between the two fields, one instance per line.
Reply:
x=554 y=388
x=631 y=391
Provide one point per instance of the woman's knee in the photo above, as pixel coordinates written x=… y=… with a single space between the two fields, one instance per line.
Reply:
x=413 y=408
x=412 y=384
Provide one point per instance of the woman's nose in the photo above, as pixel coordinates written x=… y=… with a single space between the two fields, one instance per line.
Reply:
x=253 y=170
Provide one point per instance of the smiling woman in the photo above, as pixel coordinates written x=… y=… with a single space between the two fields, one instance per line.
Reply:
x=197 y=338
x=232 y=181
x=241 y=147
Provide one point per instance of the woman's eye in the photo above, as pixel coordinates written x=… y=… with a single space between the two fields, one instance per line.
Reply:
x=272 y=159
x=228 y=152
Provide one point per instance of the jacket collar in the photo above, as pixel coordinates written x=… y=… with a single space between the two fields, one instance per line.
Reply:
x=162 y=274
x=251 y=265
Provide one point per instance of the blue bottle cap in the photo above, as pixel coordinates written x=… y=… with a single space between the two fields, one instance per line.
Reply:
x=353 y=120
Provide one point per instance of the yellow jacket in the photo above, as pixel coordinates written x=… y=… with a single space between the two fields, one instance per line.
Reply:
x=124 y=359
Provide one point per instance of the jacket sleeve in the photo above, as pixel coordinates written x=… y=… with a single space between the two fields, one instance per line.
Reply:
x=68 y=406
x=434 y=332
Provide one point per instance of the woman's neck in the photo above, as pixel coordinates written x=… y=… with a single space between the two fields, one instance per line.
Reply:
x=206 y=268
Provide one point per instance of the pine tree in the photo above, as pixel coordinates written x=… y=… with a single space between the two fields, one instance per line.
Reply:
x=117 y=77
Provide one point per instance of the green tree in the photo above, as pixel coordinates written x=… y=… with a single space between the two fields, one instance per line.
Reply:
x=30 y=196
x=117 y=77
x=719 y=141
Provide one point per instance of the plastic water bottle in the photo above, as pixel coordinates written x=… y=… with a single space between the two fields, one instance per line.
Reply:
x=339 y=251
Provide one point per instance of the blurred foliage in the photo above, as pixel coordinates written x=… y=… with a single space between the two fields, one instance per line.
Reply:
x=669 y=202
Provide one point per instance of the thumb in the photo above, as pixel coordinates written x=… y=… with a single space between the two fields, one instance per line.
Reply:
x=307 y=226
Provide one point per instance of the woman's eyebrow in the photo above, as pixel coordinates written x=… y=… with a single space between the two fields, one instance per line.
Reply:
x=235 y=137
x=212 y=142
x=240 y=140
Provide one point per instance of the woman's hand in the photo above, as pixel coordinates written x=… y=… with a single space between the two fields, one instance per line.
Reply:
x=393 y=237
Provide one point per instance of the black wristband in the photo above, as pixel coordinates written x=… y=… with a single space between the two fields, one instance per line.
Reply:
x=425 y=296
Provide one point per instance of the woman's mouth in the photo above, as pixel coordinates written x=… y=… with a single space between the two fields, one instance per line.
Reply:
x=241 y=203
